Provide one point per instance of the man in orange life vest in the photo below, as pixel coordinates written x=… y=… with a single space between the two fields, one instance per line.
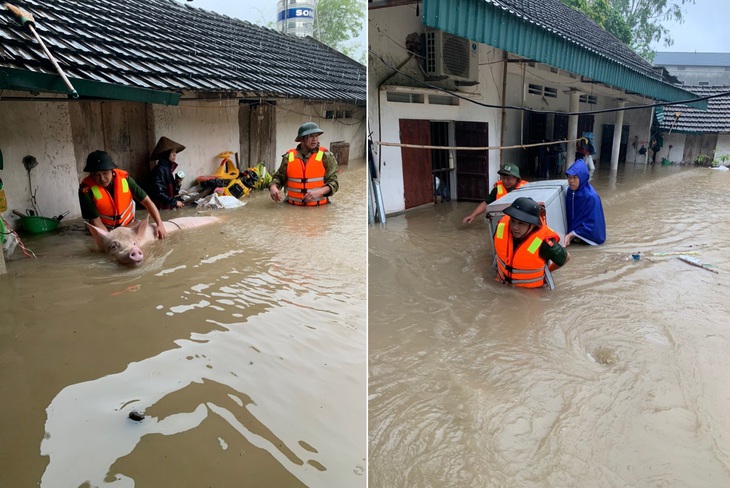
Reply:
x=526 y=248
x=509 y=179
x=106 y=195
x=308 y=172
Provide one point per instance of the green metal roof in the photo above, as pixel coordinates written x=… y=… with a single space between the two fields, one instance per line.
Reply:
x=24 y=80
x=529 y=28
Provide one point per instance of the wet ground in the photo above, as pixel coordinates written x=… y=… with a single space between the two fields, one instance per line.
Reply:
x=618 y=377
x=242 y=343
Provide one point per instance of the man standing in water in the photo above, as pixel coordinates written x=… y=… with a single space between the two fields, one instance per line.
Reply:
x=308 y=172
x=584 y=209
x=526 y=249
x=509 y=180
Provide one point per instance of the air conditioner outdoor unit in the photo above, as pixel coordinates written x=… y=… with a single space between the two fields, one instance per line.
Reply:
x=450 y=56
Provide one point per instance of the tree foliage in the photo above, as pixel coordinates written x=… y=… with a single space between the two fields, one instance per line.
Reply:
x=637 y=23
x=339 y=23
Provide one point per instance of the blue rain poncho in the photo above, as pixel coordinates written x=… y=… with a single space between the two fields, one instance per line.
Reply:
x=584 y=208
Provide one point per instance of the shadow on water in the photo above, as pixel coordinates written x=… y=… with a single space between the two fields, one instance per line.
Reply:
x=618 y=377
x=242 y=344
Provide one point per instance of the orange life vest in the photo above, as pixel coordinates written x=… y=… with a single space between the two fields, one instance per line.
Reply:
x=522 y=266
x=301 y=177
x=502 y=191
x=117 y=210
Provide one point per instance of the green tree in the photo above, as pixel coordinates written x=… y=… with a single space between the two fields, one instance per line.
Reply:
x=339 y=23
x=637 y=23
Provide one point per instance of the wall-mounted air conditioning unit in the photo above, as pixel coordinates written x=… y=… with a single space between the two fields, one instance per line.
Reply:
x=450 y=56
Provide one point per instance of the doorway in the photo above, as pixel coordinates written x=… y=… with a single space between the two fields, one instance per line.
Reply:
x=607 y=143
x=472 y=167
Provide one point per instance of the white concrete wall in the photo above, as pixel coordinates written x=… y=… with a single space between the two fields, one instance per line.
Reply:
x=205 y=128
x=723 y=148
x=43 y=130
x=676 y=140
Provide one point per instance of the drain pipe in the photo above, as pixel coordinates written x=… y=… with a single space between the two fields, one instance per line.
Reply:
x=505 y=64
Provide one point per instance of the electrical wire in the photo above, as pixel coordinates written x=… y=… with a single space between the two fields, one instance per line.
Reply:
x=527 y=109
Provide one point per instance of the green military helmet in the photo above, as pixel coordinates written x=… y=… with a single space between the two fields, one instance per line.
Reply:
x=525 y=209
x=306 y=129
x=509 y=169
x=99 y=161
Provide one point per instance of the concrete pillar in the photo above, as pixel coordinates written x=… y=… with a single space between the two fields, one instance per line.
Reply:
x=617 y=128
x=572 y=127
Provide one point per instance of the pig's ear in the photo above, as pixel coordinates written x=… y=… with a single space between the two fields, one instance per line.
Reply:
x=100 y=235
x=140 y=228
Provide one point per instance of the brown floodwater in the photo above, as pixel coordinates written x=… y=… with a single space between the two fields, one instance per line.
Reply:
x=243 y=344
x=618 y=377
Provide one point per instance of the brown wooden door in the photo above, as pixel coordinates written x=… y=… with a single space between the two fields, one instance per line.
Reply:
x=417 y=171
x=472 y=167
x=257 y=131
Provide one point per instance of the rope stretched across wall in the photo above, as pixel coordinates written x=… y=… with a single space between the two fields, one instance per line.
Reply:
x=471 y=148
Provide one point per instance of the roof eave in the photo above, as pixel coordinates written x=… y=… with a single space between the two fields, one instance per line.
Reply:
x=24 y=80
x=486 y=23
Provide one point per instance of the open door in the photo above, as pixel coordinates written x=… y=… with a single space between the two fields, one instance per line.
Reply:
x=417 y=171
x=472 y=167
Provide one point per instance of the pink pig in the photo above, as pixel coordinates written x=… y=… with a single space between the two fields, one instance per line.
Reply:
x=124 y=244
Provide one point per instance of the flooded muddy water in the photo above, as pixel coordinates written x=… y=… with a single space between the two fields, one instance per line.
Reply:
x=243 y=344
x=618 y=377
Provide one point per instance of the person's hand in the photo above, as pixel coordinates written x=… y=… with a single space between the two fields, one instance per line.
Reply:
x=179 y=204
x=468 y=219
x=314 y=195
x=160 y=231
x=275 y=193
x=568 y=237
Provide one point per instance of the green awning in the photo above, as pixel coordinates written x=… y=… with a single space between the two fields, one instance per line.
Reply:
x=482 y=21
x=24 y=80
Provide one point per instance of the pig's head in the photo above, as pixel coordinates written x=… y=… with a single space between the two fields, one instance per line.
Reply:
x=122 y=243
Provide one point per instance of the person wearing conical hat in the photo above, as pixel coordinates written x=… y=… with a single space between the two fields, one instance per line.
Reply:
x=108 y=194
x=509 y=179
x=307 y=172
x=164 y=188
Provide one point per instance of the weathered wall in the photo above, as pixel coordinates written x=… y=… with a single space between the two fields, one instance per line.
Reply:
x=291 y=114
x=205 y=128
x=41 y=129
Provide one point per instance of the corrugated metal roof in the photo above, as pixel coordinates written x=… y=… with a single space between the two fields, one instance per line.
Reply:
x=716 y=119
x=692 y=59
x=549 y=32
x=170 y=46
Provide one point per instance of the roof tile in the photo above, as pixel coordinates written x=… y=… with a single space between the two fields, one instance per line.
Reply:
x=195 y=50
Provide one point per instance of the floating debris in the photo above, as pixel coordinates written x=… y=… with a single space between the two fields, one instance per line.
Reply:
x=697 y=262
x=674 y=253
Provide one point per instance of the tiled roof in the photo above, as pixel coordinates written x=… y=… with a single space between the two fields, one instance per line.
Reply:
x=692 y=59
x=164 y=45
x=575 y=27
x=715 y=120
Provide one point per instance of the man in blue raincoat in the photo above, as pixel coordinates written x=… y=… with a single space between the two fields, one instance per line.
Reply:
x=584 y=209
